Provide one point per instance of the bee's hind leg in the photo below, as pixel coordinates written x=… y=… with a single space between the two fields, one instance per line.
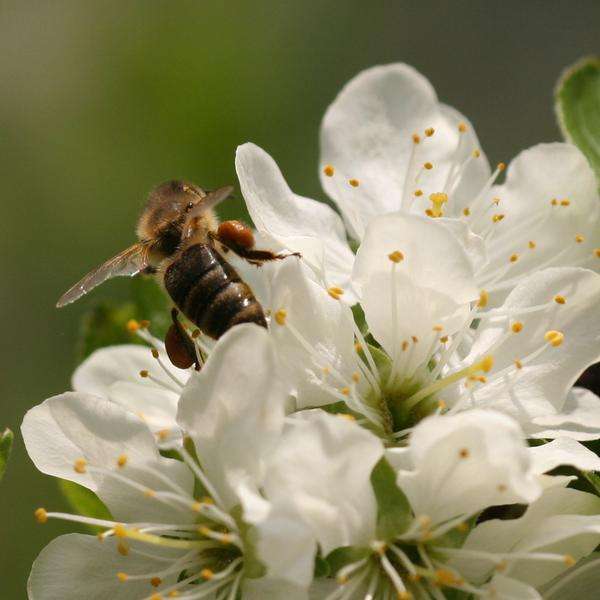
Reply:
x=180 y=348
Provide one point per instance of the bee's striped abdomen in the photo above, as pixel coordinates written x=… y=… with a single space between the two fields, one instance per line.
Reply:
x=209 y=292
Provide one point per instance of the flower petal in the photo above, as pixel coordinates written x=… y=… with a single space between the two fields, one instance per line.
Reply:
x=74 y=426
x=506 y=588
x=366 y=136
x=465 y=463
x=234 y=409
x=581 y=581
x=563 y=451
x=76 y=566
x=322 y=467
x=299 y=224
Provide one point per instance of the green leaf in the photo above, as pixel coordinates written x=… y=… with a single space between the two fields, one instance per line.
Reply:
x=578 y=108
x=393 y=509
x=322 y=568
x=106 y=323
x=6 y=442
x=84 y=502
x=594 y=479
x=340 y=557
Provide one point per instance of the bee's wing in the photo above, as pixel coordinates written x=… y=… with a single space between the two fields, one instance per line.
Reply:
x=129 y=262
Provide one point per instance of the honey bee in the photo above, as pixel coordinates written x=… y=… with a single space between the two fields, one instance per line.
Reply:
x=183 y=244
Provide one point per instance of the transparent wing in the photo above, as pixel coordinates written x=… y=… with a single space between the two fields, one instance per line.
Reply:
x=129 y=262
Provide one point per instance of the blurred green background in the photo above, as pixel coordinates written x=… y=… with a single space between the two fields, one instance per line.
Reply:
x=101 y=100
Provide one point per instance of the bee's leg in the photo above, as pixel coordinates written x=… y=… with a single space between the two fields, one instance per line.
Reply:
x=179 y=346
x=258 y=257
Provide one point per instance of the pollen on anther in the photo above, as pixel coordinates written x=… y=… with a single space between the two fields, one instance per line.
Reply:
x=163 y=434
x=144 y=374
x=569 y=560
x=405 y=346
x=579 y=238
x=444 y=339
x=132 y=326
x=335 y=292
x=554 y=202
x=416 y=138
x=554 y=338
x=155 y=353
x=560 y=299
x=428 y=166
x=463 y=527
x=356 y=377
x=462 y=127
x=354 y=182
x=280 y=316
x=517 y=327
x=476 y=154
x=565 y=202
x=345 y=391
x=207 y=574
x=483 y=299
x=149 y=493
x=497 y=218
x=487 y=363
x=418 y=193
x=396 y=256
x=597 y=252
x=531 y=245
x=438 y=328
x=358 y=347
x=514 y=258
x=466 y=211
x=122 y=460
x=328 y=170
x=122 y=576
x=79 y=465
x=464 y=453
x=518 y=364
x=41 y=516
x=501 y=166
x=144 y=323
x=429 y=131
x=123 y=549
x=155 y=581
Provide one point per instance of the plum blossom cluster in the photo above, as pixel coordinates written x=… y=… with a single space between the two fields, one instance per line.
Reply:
x=396 y=431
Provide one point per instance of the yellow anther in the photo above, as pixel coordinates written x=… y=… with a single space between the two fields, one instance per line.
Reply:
x=404 y=595
x=396 y=256
x=418 y=193
x=79 y=465
x=554 y=202
x=444 y=339
x=100 y=536
x=501 y=166
x=163 y=434
x=41 y=516
x=328 y=170
x=416 y=138
x=501 y=566
x=356 y=377
x=442 y=405
x=429 y=131
x=560 y=299
x=120 y=531
x=476 y=153
x=335 y=292
x=154 y=353
x=149 y=493
x=464 y=453
x=429 y=212
x=462 y=127
x=462 y=527
x=496 y=201
x=280 y=316
x=554 y=338
x=497 y=218
x=597 y=252
x=207 y=574
x=438 y=200
x=486 y=364
x=358 y=347
x=207 y=500
x=122 y=460
x=565 y=202
x=438 y=328
x=517 y=327
x=484 y=298
x=414 y=338
x=346 y=416
x=480 y=378
x=446 y=577
x=123 y=549
x=345 y=391
x=405 y=346
x=531 y=245
x=354 y=182
x=196 y=506
x=326 y=370
x=428 y=166
x=144 y=323
x=144 y=374
x=518 y=364
x=514 y=258
x=579 y=238
x=501 y=487
x=122 y=576
x=341 y=579
x=155 y=581
x=156 y=597
x=424 y=521
x=466 y=211
x=132 y=326
x=569 y=560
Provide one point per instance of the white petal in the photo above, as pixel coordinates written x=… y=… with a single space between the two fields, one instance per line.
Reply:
x=366 y=135
x=76 y=566
x=578 y=419
x=108 y=365
x=466 y=462
x=557 y=522
x=534 y=178
x=233 y=409
x=540 y=388
x=273 y=589
x=72 y=426
x=581 y=581
x=563 y=451
x=299 y=224
x=322 y=467
x=324 y=323
x=506 y=588
x=434 y=281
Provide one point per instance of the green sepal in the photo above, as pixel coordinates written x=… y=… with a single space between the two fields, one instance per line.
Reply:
x=6 y=442
x=84 y=502
x=393 y=509
x=577 y=99
x=594 y=480
x=253 y=567
x=322 y=567
x=340 y=557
